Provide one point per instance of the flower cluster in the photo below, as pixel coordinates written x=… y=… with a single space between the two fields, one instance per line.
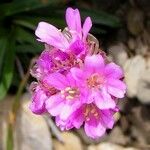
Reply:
x=75 y=82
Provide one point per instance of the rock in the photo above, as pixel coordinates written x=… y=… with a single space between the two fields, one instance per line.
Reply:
x=133 y=69
x=135 y=21
x=143 y=92
x=118 y=53
x=131 y=44
x=31 y=131
x=141 y=48
x=122 y=35
x=108 y=146
x=116 y=136
x=140 y=119
x=144 y=4
x=5 y=107
x=88 y=140
x=71 y=142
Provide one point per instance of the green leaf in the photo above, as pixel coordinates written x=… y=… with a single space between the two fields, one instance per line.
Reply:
x=25 y=23
x=28 y=48
x=12 y=8
x=3 y=42
x=96 y=30
x=31 y=22
x=24 y=36
x=27 y=42
x=7 y=70
x=102 y=18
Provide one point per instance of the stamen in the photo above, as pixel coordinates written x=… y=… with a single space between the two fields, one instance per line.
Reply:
x=86 y=111
x=71 y=92
x=69 y=97
x=90 y=111
x=62 y=92
x=95 y=81
x=87 y=119
x=96 y=114
x=67 y=89
x=93 y=110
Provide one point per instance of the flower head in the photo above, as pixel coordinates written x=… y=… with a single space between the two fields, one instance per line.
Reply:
x=72 y=40
x=94 y=120
x=102 y=81
x=69 y=97
x=75 y=82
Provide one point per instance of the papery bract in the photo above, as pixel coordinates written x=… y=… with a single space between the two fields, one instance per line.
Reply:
x=39 y=97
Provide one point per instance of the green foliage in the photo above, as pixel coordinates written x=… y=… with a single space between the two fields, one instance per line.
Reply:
x=9 y=141
x=6 y=65
x=19 y=19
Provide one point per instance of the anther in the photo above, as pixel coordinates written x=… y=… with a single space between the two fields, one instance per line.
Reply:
x=67 y=89
x=71 y=92
x=87 y=119
x=69 y=97
x=96 y=114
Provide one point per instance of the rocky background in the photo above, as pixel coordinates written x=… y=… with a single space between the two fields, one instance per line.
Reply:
x=129 y=47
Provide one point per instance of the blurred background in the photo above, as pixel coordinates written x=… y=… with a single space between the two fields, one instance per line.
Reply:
x=123 y=30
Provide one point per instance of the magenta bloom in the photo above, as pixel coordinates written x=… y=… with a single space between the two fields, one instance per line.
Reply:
x=102 y=81
x=49 y=62
x=73 y=85
x=73 y=40
x=68 y=99
x=95 y=121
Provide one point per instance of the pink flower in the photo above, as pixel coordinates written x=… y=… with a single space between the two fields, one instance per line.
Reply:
x=95 y=121
x=75 y=88
x=102 y=81
x=54 y=61
x=73 y=40
x=73 y=20
x=68 y=99
x=48 y=62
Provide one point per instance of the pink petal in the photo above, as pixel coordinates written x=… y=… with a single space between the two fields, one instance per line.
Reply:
x=77 y=47
x=94 y=63
x=107 y=118
x=77 y=74
x=73 y=19
x=54 y=105
x=86 y=27
x=51 y=35
x=66 y=111
x=94 y=131
x=103 y=100
x=56 y=80
x=116 y=87
x=78 y=118
x=45 y=61
x=64 y=125
x=93 y=95
x=114 y=71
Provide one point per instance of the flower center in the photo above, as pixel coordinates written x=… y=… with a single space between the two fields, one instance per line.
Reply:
x=95 y=81
x=70 y=93
x=90 y=111
x=66 y=64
